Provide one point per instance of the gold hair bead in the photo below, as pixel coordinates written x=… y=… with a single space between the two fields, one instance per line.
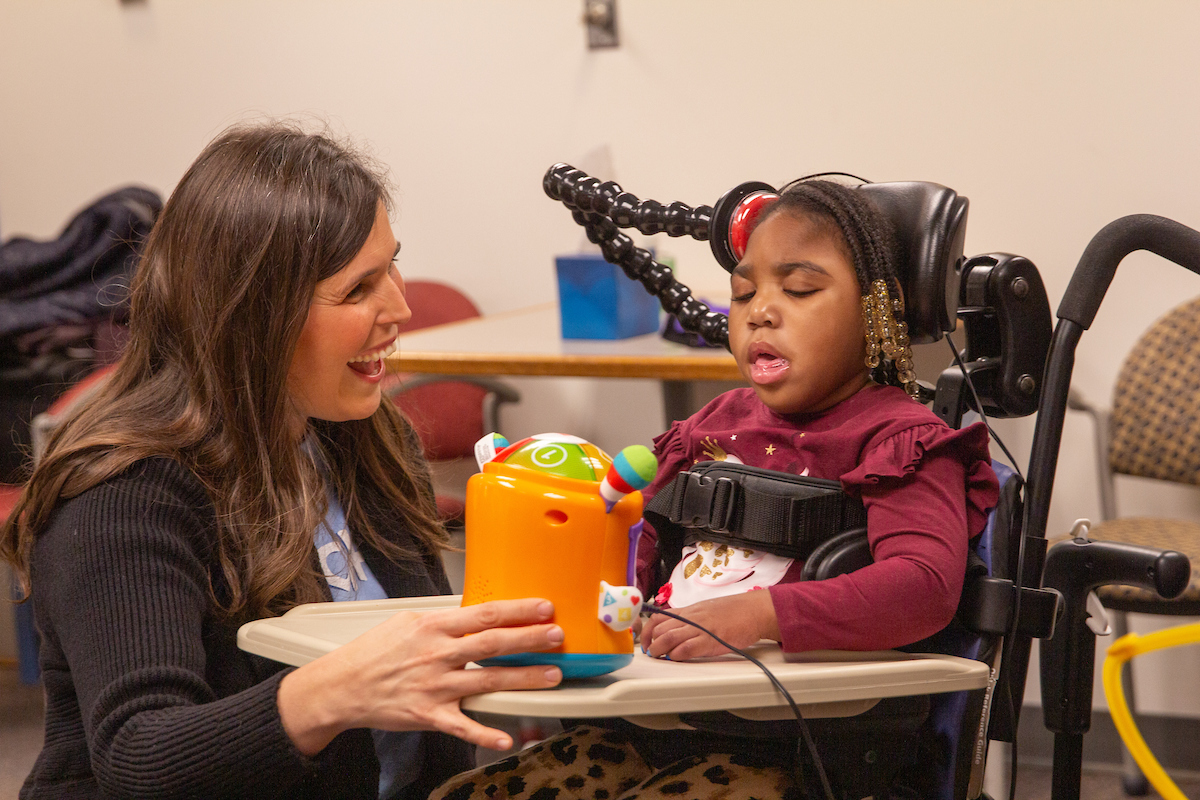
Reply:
x=887 y=334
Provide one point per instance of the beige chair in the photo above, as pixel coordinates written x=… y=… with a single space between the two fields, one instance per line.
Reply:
x=1152 y=431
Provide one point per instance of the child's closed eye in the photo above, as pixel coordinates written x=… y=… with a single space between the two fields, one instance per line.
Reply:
x=741 y=289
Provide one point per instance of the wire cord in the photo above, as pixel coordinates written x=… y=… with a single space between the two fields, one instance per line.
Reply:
x=1009 y=640
x=979 y=406
x=804 y=732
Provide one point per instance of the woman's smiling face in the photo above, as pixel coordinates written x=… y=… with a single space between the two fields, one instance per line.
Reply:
x=352 y=324
x=795 y=319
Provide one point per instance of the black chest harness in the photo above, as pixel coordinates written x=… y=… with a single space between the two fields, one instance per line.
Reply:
x=750 y=507
x=800 y=517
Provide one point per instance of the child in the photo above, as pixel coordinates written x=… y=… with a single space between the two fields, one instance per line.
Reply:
x=815 y=312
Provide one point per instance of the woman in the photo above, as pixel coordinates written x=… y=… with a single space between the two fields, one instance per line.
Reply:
x=243 y=425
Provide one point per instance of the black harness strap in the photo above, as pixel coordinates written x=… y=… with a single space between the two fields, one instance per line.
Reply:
x=746 y=506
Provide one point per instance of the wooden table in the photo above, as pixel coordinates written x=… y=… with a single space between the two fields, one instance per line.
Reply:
x=528 y=342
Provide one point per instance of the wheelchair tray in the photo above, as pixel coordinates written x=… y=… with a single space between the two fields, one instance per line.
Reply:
x=648 y=692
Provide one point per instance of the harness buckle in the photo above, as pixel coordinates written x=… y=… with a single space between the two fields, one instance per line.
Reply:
x=707 y=503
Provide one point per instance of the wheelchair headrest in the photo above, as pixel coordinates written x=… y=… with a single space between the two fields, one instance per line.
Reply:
x=930 y=223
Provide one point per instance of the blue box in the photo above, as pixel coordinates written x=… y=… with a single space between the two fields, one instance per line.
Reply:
x=597 y=301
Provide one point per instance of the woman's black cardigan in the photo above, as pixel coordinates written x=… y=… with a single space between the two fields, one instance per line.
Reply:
x=147 y=693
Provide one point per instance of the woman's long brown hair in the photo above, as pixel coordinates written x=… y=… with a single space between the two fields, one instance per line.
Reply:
x=218 y=302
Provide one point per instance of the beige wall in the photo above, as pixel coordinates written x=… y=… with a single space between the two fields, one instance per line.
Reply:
x=1054 y=119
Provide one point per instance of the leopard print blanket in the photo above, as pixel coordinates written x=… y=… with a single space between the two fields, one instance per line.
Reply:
x=591 y=763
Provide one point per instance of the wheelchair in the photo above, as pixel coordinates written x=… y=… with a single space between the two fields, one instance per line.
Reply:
x=1013 y=363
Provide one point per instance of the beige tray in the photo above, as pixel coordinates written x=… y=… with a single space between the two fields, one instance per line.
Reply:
x=648 y=691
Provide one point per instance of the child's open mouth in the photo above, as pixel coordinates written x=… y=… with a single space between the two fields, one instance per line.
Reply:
x=371 y=365
x=767 y=367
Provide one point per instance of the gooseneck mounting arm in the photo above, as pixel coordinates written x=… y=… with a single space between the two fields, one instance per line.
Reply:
x=603 y=208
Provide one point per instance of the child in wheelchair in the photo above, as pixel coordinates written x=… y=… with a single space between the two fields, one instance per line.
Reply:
x=816 y=327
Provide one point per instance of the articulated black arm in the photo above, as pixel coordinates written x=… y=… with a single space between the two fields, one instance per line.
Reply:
x=603 y=208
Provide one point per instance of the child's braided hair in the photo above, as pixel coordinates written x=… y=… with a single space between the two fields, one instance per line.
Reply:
x=851 y=219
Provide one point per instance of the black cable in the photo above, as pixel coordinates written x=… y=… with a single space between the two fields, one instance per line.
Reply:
x=804 y=732
x=1010 y=639
x=979 y=406
x=829 y=174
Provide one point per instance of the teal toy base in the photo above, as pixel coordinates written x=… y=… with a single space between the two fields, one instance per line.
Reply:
x=573 y=665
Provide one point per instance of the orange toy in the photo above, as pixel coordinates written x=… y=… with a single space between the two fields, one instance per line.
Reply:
x=537 y=526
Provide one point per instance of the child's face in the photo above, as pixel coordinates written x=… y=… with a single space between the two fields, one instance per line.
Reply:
x=795 y=318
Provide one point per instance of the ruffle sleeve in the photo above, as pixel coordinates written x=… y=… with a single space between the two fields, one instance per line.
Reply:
x=671 y=451
x=900 y=455
x=669 y=445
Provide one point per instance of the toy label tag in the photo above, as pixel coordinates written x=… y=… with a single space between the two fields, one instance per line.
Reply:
x=487 y=447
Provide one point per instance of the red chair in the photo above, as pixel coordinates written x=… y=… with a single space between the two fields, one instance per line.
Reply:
x=8 y=498
x=450 y=413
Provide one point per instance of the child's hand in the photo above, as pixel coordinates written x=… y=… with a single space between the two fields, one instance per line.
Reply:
x=741 y=620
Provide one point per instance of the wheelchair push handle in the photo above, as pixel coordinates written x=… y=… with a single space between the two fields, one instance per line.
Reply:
x=1089 y=283
x=1075 y=568
x=1076 y=311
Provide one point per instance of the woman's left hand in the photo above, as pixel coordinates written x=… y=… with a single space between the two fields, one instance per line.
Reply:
x=740 y=619
x=407 y=673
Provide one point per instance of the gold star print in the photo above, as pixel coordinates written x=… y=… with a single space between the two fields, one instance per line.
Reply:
x=770 y=449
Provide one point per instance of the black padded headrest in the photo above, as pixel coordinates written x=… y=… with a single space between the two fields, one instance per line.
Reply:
x=930 y=223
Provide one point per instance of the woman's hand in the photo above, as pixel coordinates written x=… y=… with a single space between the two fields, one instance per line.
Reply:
x=740 y=619
x=407 y=674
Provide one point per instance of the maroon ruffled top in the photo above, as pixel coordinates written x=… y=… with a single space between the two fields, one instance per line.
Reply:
x=927 y=489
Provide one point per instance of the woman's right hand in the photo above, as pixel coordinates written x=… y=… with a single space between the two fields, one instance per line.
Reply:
x=407 y=674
